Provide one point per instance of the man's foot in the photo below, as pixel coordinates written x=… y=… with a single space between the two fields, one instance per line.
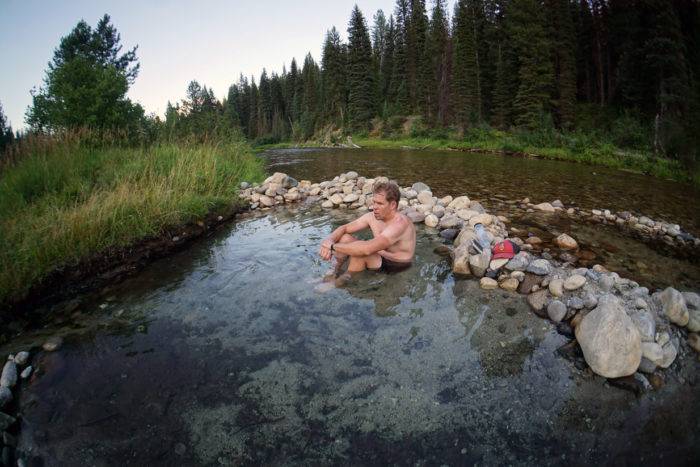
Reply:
x=343 y=279
x=330 y=275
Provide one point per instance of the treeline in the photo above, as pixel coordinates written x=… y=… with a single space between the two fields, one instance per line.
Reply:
x=508 y=64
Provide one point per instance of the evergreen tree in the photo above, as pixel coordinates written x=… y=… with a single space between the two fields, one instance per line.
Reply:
x=563 y=57
x=359 y=72
x=264 y=105
x=253 y=115
x=417 y=70
x=436 y=84
x=333 y=77
x=6 y=135
x=310 y=97
x=466 y=62
x=398 y=90
x=530 y=42
x=386 y=67
x=380 y=36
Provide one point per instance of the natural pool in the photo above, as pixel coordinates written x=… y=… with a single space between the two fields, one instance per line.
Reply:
x=227 y=353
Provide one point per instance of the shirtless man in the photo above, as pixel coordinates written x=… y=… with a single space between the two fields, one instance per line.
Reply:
x=394 y=241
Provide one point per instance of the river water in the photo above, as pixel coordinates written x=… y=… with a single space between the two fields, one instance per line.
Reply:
x=235 y=352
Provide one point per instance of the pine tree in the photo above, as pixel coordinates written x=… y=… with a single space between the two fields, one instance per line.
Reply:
x=526 y=21
x=386 y=68
x=310 y=82
x=253 y=115
x=416 y=69
x=6 y=135
x=333 y=78
x=561 y=31
x=380 y=38
x=264 y=105
x=436 y=89
x=359 y=73
x=398 y=91
x=466 y=62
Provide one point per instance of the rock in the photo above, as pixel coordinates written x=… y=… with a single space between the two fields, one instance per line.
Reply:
x=692 y=300
x=336 y=199
x=647 y=366
x=415 y=216
x=6 y=421
x=653 y=352
x=450 y=221
x=352 y=175
x=438 y=210
x=487 y=283
x=693 y=342
x=431 y=220
x=518 y=275
x=693 y=320
x=639 y=303
x=510 y=284
x=534 y=240
x=537 y=300
x=8 y=379
x=541 y=267
x=574 y=282
x=244 y=185
x=576 y=320
x=5 y=396
x=518 y=262
x=267 y=201
x=485 y=219
x=556 y=287
x=22 y=358
x=674 y=306
x=53 y=344
x=497 y=264
x=670 y=352
x=609 y=339
x=606 y=283
x=449 y=234
x=460 y=261
x=478 y=264
x=565 y=242
x=278 y=178
x=419 y=187
x=327 y=204
x=545 y=207
x=575 y=303
x=27 y=372
x=466 y=214
x=556 y=311
x=557 y=204
x=351 y=198
x=426 y=197
x=460 y=202
x=590 y=302
x=645 y=324
x=628 y=383
x=528 y=282
x=662 y=338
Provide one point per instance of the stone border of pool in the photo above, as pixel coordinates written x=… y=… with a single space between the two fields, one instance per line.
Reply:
x=624 y=332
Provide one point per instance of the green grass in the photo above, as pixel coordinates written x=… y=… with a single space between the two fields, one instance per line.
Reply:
x=63 y=202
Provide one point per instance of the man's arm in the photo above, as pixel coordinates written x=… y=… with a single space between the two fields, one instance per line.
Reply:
x=357 y=225
x=388 y=237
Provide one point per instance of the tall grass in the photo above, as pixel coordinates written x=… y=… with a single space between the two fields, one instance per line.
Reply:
x=62 y=201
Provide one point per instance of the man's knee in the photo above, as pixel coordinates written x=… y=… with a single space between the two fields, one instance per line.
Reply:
x=347 y=238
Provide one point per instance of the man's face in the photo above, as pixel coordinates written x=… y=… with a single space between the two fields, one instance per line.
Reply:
x=381 y=207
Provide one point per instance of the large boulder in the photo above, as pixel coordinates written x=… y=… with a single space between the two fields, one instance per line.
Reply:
x=431 y=220
x=426 y=198
x=518 y=262
x=541 y=267
x=478 y=264
x=674 y=306
x=420 y=187
x=465 y=237
x=8 y=378
x=450 y=221
x=460 y=261
x=610 y=341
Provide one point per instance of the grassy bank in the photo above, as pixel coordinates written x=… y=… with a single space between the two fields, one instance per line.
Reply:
x=574 y=147
x=65 y=201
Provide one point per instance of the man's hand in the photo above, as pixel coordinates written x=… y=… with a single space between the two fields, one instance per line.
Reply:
x=325 y=250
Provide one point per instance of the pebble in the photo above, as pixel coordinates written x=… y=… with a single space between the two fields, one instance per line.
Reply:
x=556 y=311
x=180 y=449
x=6 y=421
x=576 y=303
x=487 y=283
x=640 y=303
x=27 y=372
x=22 y=358
x=693 y=342
x=541 y=267
x=53 y=344
x=556 y=287
x=574 y=282
x=510 y=284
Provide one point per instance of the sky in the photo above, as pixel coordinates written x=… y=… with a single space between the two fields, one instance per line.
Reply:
x=211 y=41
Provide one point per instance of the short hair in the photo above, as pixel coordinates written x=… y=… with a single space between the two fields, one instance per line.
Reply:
x=390 y=190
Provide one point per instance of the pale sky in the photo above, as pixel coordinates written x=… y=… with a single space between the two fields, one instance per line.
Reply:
x=212 y=41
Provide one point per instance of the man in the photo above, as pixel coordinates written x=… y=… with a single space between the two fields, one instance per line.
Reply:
x=394 y=241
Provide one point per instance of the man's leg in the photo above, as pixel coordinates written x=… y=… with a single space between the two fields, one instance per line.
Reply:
x=360 y=263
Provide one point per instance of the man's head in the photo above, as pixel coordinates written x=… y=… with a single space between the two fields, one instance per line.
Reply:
x=385 y=199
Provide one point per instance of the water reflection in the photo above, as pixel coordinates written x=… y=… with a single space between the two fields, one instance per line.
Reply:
x=225 y=354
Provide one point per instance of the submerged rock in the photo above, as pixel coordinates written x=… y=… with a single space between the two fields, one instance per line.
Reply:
x=537 y=300
x=556 y=311
x=510 y=284
x=565 y=242
x=541 y=267
x=5 y=396
x=53 y=344
x=487 y=283
x=519 y=262
x=22 y=358
x=478 y=264
x=609 y=339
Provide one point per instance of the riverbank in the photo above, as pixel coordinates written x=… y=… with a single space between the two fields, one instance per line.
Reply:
x=66 y=204
x=573 y=148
